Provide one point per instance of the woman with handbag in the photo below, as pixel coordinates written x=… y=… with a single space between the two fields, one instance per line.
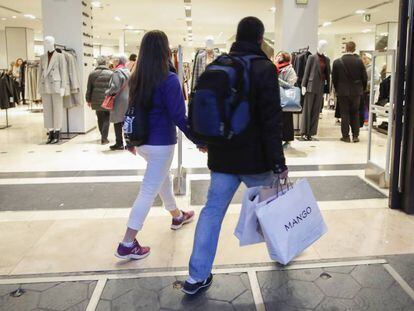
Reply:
x=157 y=90
x=287 y=79
x=118 y=92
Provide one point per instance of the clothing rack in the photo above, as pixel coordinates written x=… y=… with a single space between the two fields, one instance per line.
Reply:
x=66 y=135
x=33 y=63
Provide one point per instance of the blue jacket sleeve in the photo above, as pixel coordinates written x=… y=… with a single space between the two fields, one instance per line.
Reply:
x=174 y=101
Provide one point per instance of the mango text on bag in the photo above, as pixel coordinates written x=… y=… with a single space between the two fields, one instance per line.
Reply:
x=302 y=216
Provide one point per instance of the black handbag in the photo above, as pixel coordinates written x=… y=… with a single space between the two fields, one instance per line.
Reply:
x=136 y=126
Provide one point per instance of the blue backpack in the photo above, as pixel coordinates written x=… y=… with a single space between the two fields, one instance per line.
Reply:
x=219 y=110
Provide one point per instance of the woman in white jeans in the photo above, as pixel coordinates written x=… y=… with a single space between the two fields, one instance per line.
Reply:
x=154 y=86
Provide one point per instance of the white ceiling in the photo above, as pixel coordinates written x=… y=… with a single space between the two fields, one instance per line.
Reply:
x=217 y=18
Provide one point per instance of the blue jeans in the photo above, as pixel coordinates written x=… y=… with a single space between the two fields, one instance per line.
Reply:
x=221 y=192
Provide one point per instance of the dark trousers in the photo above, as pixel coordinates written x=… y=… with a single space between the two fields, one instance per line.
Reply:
x=103 y=123
x=119 y=134
x=288 y=131
x=310 y=113
x=349 y=106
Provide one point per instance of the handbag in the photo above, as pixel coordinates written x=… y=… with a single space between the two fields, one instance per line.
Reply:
x=109 y=101
x=291 y=222
x=290 y=99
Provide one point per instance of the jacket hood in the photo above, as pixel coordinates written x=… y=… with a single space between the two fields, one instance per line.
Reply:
x=247 y=48
x=102 y=67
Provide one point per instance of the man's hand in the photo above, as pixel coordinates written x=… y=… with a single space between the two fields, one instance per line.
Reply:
x=202 y=149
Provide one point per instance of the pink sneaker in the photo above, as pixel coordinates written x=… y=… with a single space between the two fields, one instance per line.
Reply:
x=185 y=219
x=136 y=251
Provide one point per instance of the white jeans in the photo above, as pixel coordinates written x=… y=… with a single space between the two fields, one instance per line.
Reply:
x=157 y=180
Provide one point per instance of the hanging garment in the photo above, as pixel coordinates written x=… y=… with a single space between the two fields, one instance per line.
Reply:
x=200 y=64
x=8 y=92
x=74 y=96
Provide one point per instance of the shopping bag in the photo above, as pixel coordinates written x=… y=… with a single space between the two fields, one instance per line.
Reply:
x=108 y=103
x=290 y=99
x=291 y=222
x=248 y=229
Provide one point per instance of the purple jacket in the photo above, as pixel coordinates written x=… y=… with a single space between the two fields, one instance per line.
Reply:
x=168 y=112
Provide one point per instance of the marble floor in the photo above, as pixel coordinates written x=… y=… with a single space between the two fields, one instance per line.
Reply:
x=40 y=239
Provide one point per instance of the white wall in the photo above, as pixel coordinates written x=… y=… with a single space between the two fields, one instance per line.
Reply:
x=3 y=52
x=19 y=43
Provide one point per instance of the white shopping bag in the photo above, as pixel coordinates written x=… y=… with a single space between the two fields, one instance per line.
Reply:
x=248 y=230
x=291 y=222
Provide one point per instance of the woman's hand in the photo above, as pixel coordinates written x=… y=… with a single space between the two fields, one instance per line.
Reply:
x=132 y=149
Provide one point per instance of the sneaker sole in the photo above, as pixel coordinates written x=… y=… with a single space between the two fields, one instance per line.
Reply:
x=198 y=289
x=176 y=227
x=134 y=257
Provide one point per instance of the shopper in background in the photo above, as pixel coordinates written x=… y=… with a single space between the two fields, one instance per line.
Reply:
x=118 y=86
x=257 y=161
x=287 y=79
x=98 y=84
x=367 y=60
x=158 y=90
x=349 y=78
x=16 y=69
x=131 y=63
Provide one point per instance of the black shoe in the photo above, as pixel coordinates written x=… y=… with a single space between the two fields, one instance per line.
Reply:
x=56 y=137
x=51 y=137
x=355 y=140
x=346 y=139
x=104 y=141
x=117 y=147
x=309 y=138
x=192 y=289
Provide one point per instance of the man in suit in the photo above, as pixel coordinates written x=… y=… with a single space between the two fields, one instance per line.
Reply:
x=350 y=79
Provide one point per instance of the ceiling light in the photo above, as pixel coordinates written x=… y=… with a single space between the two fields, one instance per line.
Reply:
x=97 y=37
x=190 y=27
x=326 y=24
x=31 y=16
x=188 y=19
x=384 y=34
x=187 y=7
x=129 y=27
x=273 y=9
x=126 y=44
x=117 y=18
x=137 y=31
x=97 y=4
x=366 y=30
x=3 y=18
x=360 y=11
x=14 y=16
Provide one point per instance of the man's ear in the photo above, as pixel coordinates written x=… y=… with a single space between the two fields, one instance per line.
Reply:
x=260 y=41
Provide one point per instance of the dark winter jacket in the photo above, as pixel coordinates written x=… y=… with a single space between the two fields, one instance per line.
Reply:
x=352 y=80
x=98 y=84
x=262 y=151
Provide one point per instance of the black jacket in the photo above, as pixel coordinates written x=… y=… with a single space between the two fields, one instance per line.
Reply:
x=98 y=84
x=262 y=151
x=353 y=80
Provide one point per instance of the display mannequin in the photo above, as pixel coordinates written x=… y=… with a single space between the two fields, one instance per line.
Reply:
x=315 y=83
x=203 y=59
x=53 y=83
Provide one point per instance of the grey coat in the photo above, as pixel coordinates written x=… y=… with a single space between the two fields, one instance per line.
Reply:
x=312 y=79
x=53 y=76
x=98 y=84
x=119 y=79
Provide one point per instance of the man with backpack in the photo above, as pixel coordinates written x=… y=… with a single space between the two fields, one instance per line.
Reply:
x=236 y=111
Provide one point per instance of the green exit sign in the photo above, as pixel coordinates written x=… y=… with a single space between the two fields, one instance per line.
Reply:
x=302 y=2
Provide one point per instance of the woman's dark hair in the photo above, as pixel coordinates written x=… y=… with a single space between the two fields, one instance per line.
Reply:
x=151 y=69
x=133 y=57
x=250 y=29
x=285 y=56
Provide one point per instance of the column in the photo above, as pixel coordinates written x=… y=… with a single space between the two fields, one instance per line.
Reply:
x=296 y=25
x=3 y=52
x=70 y=23
x=19 y=43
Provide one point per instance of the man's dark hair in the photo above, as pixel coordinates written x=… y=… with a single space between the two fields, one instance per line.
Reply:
x=133 y=57
x=350 y=47
x=250 y=29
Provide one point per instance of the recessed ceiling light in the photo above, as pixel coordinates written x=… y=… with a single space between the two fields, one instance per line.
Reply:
x=326 y=24
x=117 y=18
x=360 y=11
x=273 y=9
x=97 y=4
x=366 y=30
x=3 y=18
x=31 y=16
x=126 y=44
x=97 y=37
x=14 y=16
x=190 y=27
x=188 y=19
x=129 y=27
x=187 y=7
x=384 y=34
